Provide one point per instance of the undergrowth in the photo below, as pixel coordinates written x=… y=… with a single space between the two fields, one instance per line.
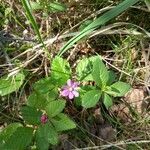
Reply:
x=74 y=74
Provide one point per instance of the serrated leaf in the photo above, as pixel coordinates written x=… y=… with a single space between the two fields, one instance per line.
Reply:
x=56 y=7
x=31 y=115
x=100 y=73
x=11 y=84
x=91 y=98
x=62 y=122
x=46 y=134
x=84 y=69
x=55 y=107
x=37 y=100
x=42 y=143
x=60 y=70
x=112 y=77
x=7 y=132
x=118 y=89
x=107 y=101
x=82 y=91
x=20 y=139
x=45 y=85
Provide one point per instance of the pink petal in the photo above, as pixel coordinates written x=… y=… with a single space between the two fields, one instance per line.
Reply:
x=65 y=92
x=76 y=94
x=76 y=88
x=75 y=84
x=71 y=95
x=69 y=83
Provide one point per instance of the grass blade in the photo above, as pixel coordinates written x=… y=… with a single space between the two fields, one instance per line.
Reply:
x=33 y=22
x=31 y=18
x=98 y=22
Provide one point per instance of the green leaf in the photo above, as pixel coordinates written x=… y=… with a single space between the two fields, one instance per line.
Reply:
x=31 y=115
x=46 y=134
x=114 y=12
x=11 y=84
x=62 y=122
x=107 y=101
x=55 y=107
x=44 y=85
x=91 y=98
x=20 y=139
x=85 y=24
x=82 y=91
x=36 y=5
x=57 y=7
x=84 y=69
x=100 y=73
x=37 y=100
x=112 y=77
x=42 y=143
x=118 y=89
x=60 y=70
x=7 y=132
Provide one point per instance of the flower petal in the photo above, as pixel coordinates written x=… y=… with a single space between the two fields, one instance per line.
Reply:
x=69 y=82
x=65 y=92
x=71 y=95
x=75 y=84
x=75 y=93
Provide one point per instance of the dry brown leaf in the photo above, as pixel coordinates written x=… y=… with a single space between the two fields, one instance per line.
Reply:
x=134 y=99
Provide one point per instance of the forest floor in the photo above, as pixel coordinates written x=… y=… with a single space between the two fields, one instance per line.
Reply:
x=125 y=48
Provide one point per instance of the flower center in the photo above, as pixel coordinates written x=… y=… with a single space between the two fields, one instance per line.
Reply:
x=70 y=89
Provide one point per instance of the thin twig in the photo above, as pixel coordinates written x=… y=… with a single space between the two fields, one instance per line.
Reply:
x=114 y=145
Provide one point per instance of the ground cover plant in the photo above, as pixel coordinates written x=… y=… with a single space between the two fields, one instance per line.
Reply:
x=74 y=75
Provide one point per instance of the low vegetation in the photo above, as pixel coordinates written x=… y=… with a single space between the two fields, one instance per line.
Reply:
x=74 y=74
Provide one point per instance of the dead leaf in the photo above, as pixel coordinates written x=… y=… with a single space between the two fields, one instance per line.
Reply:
x=134 y=99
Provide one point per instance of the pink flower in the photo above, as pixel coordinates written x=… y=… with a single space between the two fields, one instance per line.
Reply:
x=44 y=118
x=70 y=90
